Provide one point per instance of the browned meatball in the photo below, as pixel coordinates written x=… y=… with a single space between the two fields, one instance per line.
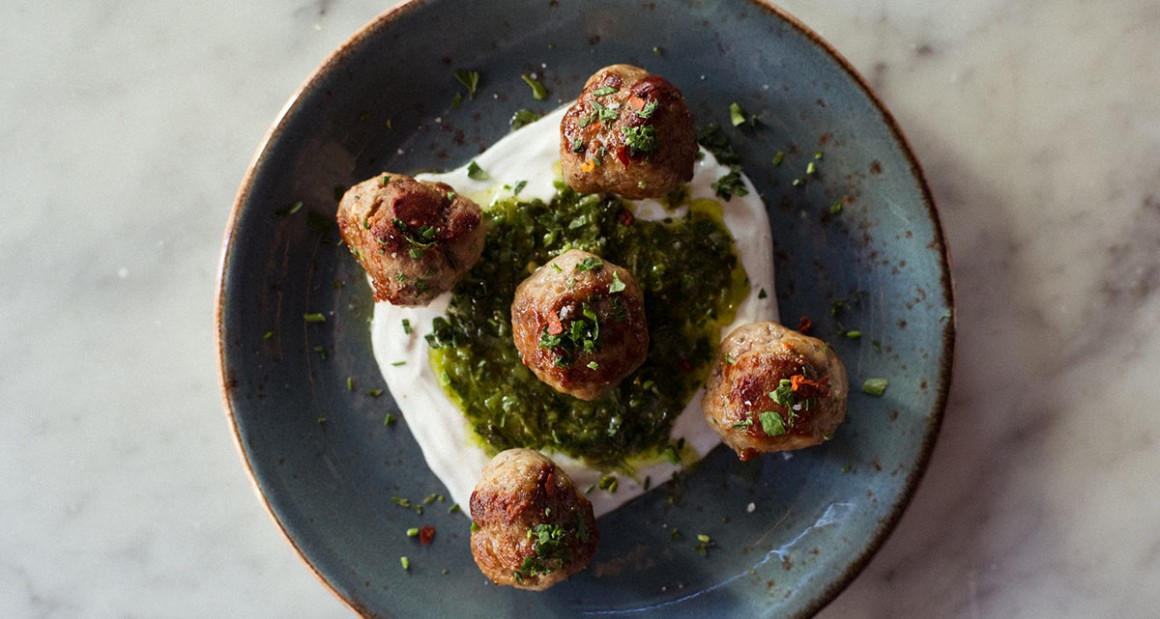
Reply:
x=416 y=239
x=773 y=389
x=579 y=324
x=629 y=133
x=532 y=529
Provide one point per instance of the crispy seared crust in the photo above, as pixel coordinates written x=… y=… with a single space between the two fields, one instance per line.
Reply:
x=753 y=361
x=553 y=297
x=518 y=490
x=597 y=157
x=416 y=239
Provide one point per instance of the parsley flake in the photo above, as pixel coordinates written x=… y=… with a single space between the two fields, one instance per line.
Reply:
x=469 y=79
x=474 y=172
x=538 y=91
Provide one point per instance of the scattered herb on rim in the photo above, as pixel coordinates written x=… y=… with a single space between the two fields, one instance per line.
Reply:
x=538 y=91
x=314 y=317
x=736 y=114
x=875 y=386
x=469 y=79
x=290 y=210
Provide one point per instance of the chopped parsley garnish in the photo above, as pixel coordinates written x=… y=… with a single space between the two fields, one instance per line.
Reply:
x=522 y=118
x=289 y=210
x=836 y=208
x=783 y=395
x=704 y=543
x=314 y=317
x=609 y=483
x=604 y=114
x=406 y=327
x=771 y=423
x=580 y=337
x=477 y=173
x=607 y=90
x=736 y=114
x=730 y=185
x=648 y=110
x=518 y=187
x=538 y=90
x=469 y=79
x=590 y=264
x=616 y=285
x=551 y=552
x=779 y=157
x=875 y=386
x=443 y=335
x=713 y=138
x=641 y=139
x=420 y=238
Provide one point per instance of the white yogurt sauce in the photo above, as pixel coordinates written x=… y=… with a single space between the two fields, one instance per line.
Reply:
x=531 y=154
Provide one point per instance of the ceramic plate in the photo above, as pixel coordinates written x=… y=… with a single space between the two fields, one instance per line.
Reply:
x=788 y=533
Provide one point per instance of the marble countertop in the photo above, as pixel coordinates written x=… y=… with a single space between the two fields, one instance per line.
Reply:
x=126 y=127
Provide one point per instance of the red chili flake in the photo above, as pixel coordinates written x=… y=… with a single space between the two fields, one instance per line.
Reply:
x=555 y=327
x=810 y=388
x=622 y=156
x=625 y=217
x=805 y=324
x=426 y=534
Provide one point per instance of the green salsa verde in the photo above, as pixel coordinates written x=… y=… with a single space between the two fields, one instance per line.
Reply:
x=692 y=279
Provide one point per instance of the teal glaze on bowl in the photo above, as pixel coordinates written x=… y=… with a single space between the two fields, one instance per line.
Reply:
x=788 y=533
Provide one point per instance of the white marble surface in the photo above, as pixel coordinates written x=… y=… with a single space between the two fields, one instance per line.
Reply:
x=125 y=128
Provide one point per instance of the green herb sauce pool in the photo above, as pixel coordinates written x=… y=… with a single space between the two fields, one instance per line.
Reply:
x=692 y=279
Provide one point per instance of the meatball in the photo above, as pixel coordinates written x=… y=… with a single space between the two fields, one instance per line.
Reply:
x=532 y=529
x=629 y=133
x=773 y=389
x=416 y=239
x=579 y=324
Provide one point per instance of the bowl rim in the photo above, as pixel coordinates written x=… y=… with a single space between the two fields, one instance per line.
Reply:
x=886 y=525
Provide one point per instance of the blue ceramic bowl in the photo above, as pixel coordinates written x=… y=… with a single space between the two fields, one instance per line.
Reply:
x=788 y=533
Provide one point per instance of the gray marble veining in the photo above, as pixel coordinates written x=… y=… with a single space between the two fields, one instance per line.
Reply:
x=125 y=128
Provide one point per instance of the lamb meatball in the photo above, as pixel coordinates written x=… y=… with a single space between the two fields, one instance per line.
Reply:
x=773 y=389
x=532 y=528
x=416 y=239
x=579 y=324
x=629 y=133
